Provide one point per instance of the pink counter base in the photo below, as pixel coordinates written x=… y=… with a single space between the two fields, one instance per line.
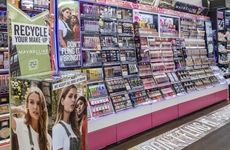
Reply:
x=102 y=138
x=118 y=132
x=133 y=126
x=202 y=102
x=165 y=115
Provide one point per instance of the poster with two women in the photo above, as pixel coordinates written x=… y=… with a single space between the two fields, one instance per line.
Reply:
x=68 y=33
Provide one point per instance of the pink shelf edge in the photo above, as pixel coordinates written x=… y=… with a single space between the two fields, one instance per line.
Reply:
x=134 y=126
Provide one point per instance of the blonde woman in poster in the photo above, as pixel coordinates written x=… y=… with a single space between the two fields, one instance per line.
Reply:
x=65 y=133
x=65 y=32
x=32 y=129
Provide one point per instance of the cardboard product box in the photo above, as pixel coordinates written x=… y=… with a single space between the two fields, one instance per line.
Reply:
x=53 y=94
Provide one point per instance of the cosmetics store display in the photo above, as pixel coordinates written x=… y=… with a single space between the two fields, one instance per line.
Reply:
x=196 y=54
x=108 y=38
x=4 y=78
x=138 y=60
x=220 y=23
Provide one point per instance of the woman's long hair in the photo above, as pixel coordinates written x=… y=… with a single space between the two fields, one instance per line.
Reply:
x=60 y=111
x=75 y=23
x=42 y=122
x=62 y=10
x=84 y=113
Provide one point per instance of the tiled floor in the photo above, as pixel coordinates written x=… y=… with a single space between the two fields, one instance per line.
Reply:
x=213 y=141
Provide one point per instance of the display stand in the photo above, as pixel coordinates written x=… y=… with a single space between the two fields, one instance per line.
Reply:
x=175 y=74
x=4 y=77
x=144 y=65
x=220 y=22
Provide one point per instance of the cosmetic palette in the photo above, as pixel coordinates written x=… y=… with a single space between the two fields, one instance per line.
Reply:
x=214 y=80
x=189 y=62
x=112 y=71
x=138 y=97
x=124 y=69
x=97 y=90
x=197 y=61
x=188 y=28
x=171 y=78
x=205 y=61
x=4 y=109
x=133 y=68
x=125 y=29
x=111 y=56
x=179 y=88
x=154 y=94
x=167 y=92
x=116 y=85
x=4 y=128
x=158 y=67
x=199 y=84
x=206 y=82
x=4 y=84
x=108 y=27
x=4 y=39
x=109 y=42
x=144 y=42
x=128 y=55
x=89 y=10
x=183 y=75
x=101 y=107
x=121 y=102
x=92 y=58
x=126 y=42
x=154 y=43
x=1 y=60
x=161 y=78
x=148 y=82
x=208 y=71
x=135 y=82
x=125 y=15
x=189 y=86
x=144 y=69
x=108 y=12
x=91 y=42
x=4 y=100
x=91 y=26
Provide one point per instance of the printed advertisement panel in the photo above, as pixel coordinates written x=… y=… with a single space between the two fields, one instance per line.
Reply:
x=68 y=31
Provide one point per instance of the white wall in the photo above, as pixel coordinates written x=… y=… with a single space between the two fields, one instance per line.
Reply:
x=194 y=2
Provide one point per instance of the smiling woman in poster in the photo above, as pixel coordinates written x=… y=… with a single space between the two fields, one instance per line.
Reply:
x=32 y=129
x=65 y=132
x=65 y=32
